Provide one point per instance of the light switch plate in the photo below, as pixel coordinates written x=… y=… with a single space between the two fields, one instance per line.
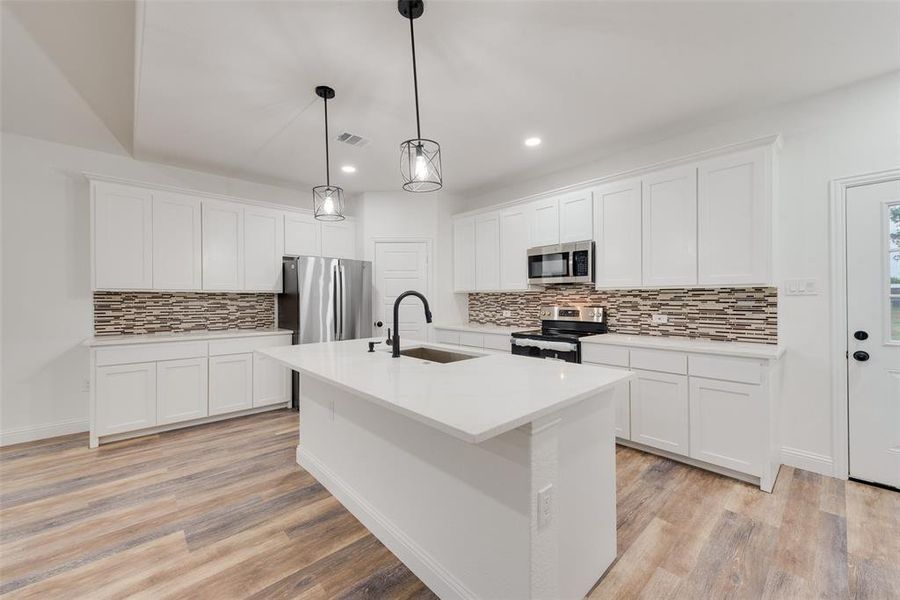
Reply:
x=801 y=287
x=507 y=313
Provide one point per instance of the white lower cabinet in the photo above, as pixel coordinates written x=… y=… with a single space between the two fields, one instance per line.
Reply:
x=125 y=398
x=230 y=383
x=659 y=411
x=271 y=381
x=181 y=390
x=726 y=424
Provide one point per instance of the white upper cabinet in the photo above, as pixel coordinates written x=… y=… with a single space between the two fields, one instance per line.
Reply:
x=669 y=207
x=513 y=248
x=339 y=239
x=176 y=242
x=733 y=219
x=302 y=235
x=487 y=251
x=544 y=222
x=122 y=232
x=576 y=217
x=263 y=248
x=464 y=254
x=223 y=246
x=617 y=230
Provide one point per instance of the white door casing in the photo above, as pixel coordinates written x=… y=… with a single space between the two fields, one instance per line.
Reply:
x=401 y=266
x=873 y=307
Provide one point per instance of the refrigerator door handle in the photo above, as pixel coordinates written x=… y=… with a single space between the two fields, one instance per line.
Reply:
x=343 y=282
x=335 y=303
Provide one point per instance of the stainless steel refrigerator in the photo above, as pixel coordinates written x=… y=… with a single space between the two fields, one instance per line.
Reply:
x=325 y=299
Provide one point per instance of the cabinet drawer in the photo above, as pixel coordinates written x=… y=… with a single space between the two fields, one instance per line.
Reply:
x=615 y=356
x=242 y=345
x=659 y=360
x=468 y=338
x=445 y=336
x=731 y=369
x=495 y=341
x=137 y=353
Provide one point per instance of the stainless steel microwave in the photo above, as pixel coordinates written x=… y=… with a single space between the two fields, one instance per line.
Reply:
x=561 y=263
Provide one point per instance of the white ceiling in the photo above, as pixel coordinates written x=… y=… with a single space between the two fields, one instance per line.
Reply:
x=228 y=86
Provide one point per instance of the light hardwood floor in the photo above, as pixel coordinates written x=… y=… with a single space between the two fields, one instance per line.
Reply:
x=223 y=511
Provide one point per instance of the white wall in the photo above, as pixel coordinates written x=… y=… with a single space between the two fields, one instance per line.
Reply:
x=407 y=215
x=46 y=296
x=848 y=131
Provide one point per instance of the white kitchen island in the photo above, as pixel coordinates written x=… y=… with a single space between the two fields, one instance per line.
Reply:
x=492 y=477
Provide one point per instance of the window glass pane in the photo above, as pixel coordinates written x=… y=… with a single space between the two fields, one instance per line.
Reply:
x=895 y=319
x=894 y=262
x=894 y=212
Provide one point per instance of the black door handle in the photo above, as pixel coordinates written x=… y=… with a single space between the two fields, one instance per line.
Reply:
x=861 y=355
x=861 y=335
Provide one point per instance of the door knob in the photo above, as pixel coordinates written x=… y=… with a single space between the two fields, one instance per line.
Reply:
x=861 y=335
x=861 y=355
x=379 y=324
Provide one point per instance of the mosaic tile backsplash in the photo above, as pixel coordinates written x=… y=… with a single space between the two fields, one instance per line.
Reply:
x=724 y=314
x=117 y=313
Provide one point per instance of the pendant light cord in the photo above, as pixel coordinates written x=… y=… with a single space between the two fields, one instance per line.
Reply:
x=327 y=166
x=412 y=39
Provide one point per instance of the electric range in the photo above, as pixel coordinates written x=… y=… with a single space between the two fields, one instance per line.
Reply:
x=562 y=328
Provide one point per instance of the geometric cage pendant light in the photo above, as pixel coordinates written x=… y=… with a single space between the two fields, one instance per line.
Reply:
x=420 y=159
x=328 y=200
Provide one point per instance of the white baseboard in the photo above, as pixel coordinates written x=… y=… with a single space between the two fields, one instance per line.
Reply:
x=422 y=564
x=40 y=432
x=808 y=461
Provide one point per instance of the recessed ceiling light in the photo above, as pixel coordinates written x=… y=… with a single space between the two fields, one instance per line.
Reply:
x=532 y=142
x=348 y=169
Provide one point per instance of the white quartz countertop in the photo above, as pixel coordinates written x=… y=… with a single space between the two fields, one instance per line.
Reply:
x=473 y=400
x=477 y=328
x=740 y=349
x=188 y=336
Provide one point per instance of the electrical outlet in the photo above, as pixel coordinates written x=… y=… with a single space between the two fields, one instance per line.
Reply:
x=659 y=319
x=545 y=505
x=507 y=313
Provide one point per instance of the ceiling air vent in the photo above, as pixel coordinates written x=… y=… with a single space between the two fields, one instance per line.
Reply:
x=353 y=139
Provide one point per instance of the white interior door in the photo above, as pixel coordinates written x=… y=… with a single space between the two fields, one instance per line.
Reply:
x=401 y=266
x=873 y=331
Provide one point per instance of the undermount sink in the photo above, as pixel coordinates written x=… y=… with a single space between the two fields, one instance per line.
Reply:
x=436 y=355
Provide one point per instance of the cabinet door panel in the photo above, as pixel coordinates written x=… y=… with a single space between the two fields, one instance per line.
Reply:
x=223 y=246
x=230 y=383
x=271 y=381
x=659 y=411
x=617 y=230
x=733 y=216
x=339 y=239
x=513 y=248
x=464 y=254
x=181 y=390
x=543 y=222
x=125 y=397
x=176 y=242
x=263 y=249
x=487 y=251
x=669 y=202
x=576 y=217
x=122 y=233
x=302 y=235
x=727 y=424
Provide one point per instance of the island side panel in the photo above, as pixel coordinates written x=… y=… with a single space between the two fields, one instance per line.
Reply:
x=586 y=504
x=457 y=514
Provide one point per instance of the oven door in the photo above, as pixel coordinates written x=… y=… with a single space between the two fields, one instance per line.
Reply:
x=564 y=351
x=561 y=263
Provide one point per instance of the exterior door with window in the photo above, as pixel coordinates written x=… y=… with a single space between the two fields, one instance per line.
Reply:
x=873 y=336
